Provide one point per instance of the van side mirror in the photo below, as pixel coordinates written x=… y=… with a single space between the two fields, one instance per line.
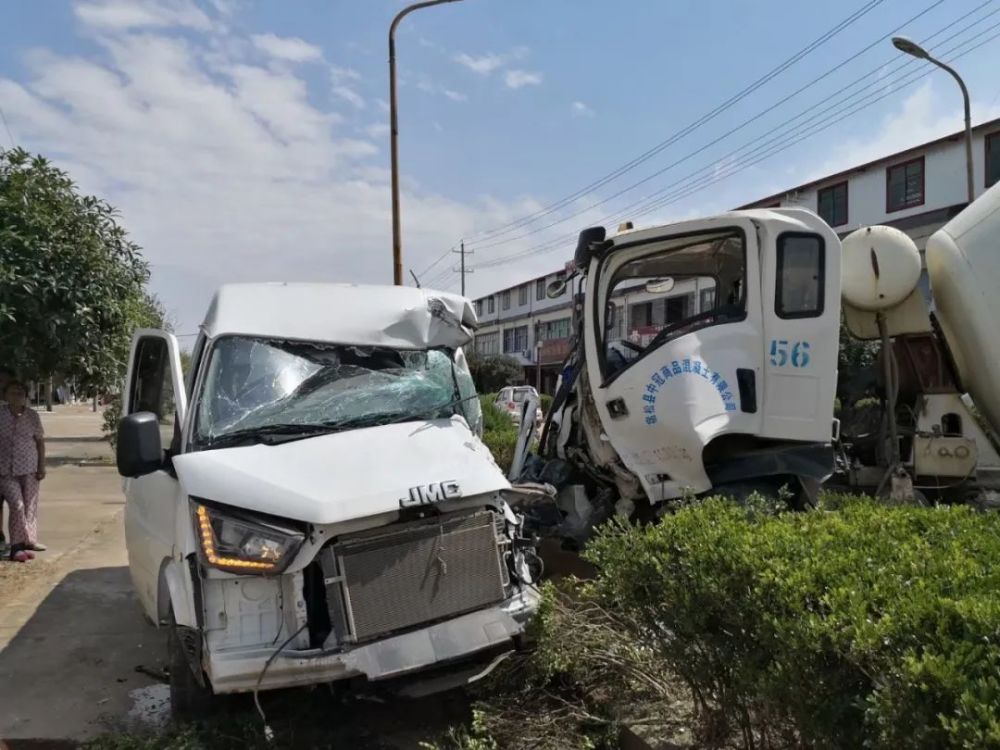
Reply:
x=138 y=450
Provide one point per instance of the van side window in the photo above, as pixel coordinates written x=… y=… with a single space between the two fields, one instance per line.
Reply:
x=799 y=292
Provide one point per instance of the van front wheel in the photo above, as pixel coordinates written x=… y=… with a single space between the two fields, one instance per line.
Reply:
x=189 y=700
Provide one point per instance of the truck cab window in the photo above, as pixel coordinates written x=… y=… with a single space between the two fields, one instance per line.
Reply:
x=799 y=292
x=677 y=288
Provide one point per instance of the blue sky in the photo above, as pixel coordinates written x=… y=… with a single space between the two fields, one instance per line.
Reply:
x=248 y=140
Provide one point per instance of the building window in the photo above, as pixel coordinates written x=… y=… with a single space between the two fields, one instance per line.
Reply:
x=540 y=289
x=992 y=158
x=553 y=329
x=831 y=204
x=491 y=305
x=706 y=299
x=479 y=308
x=515 y=340
x=904 y=185
x=679 y=308
x=522 y=295
x=488 y=343
x=641 y=315
x=505 y=300
x=799 y=293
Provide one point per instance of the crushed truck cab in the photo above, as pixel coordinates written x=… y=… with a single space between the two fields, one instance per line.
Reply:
x=728 y=378
x=312 y=502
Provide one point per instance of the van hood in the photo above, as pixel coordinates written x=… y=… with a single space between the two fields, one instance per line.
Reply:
x=342 y=476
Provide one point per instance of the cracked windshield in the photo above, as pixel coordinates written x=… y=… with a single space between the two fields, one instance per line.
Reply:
x=256 y=384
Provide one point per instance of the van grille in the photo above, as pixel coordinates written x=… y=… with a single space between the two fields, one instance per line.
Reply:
x=395 y=577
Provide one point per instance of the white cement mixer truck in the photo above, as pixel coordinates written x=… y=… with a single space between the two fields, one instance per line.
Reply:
x=737 y=393
x=932 y=433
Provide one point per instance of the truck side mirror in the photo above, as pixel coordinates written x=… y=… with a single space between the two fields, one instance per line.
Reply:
x=588 y=242
x=138 y=450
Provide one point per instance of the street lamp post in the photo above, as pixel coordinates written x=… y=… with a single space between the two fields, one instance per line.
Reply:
x=397 y=243
x=915 y=50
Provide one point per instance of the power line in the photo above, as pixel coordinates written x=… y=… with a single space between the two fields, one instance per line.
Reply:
x=648 y=154
x=698 y=186
x=551 y=244
x=739 y=127
x=6 y=127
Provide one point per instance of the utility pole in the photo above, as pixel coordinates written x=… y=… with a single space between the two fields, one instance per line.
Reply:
x=397 y=242
x=461 y=269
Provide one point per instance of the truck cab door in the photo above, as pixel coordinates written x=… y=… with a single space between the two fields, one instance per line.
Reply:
x=154 y=384
x=801 y=300
x=673 y=337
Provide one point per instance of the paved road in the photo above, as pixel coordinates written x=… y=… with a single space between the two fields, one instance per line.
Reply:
x=71 y=634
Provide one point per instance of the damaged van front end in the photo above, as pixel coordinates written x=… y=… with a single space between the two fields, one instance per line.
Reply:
x=325 y=509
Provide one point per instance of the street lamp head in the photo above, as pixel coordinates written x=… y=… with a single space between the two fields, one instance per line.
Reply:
x=910 y=47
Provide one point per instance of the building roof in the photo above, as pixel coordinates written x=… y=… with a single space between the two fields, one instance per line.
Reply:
x=392 y=316
x=897 y=156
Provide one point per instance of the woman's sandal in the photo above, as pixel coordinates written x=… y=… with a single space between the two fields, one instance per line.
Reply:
x=19 y=553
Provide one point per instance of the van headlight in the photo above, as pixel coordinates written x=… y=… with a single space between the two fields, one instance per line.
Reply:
x=238 y=543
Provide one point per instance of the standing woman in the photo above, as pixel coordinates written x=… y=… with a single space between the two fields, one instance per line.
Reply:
x=22 y=467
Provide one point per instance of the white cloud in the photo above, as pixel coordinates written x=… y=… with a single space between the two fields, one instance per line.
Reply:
x=515 y=79
x=339 y=74
x=581 y=110
x=382 y=104
x=484 y=64
x=489 y=62
x=377 y=130
x=350 y=96
x=123 y=15
x=288 y=48
x=224 y=169
x=455 y=96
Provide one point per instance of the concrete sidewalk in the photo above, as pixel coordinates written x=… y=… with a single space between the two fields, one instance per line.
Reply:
x=71 y=632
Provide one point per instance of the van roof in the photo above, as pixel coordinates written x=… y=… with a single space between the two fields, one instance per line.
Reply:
x=365 y=315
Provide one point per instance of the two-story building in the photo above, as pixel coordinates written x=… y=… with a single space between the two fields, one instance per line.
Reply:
x=917 y=190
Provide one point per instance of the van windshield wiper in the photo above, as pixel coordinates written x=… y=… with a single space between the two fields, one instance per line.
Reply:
x=270 y=434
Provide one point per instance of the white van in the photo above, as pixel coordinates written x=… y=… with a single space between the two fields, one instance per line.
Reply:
x=313 y=502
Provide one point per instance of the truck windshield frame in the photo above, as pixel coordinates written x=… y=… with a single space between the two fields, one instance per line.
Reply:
x=259 y=386
x=669 y=252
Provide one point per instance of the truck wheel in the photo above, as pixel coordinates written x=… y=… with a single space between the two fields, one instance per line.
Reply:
x=189 y=700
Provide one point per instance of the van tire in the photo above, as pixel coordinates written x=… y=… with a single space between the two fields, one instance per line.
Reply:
x=189 y=700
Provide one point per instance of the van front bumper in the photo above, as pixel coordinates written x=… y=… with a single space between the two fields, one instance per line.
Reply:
x=462 y=638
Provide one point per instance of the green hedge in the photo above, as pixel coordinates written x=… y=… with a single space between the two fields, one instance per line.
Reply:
x=870 y=626
x=499 y=432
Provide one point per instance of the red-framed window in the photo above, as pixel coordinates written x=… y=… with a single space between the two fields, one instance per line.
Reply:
x=831 y=204
x=904 y=185
x=992 y=162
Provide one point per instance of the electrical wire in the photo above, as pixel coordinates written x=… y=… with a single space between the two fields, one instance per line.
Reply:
x=771 y=147
x=648 y=154
x=759 y=115
x=268 y=732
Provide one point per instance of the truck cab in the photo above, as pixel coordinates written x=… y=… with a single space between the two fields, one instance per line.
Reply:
x=311 y=502
x=706 y=358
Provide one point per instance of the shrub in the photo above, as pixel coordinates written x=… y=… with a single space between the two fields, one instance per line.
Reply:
x=112 y=416
x=867 y=627
x=546 y=402
x=491 y=373
x=499 y=432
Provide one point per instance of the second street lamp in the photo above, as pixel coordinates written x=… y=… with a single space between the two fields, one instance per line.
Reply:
x=397 y=242
x=909 y=47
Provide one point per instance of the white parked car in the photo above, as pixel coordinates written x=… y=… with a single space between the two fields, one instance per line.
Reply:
x=511 y=399
x=313 y=502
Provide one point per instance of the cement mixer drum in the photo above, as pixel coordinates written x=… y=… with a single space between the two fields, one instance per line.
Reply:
x=880 y=268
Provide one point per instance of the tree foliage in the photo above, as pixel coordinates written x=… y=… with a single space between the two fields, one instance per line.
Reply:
x=491 y=373
x=72 y=284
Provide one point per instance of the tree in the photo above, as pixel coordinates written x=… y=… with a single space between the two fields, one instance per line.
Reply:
x=72 y=284
x=492 y=373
